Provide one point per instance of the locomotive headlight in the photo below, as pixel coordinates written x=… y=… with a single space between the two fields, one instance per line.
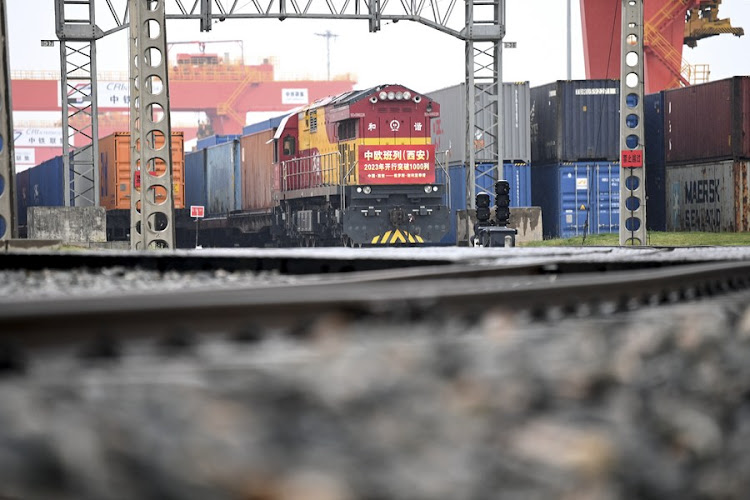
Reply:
x=383 y=95
x=407 y=95
x=367 y=190
x=391 y=95
x=399 y=96
x=359 y=189
x=428 y=189
x=435 y=188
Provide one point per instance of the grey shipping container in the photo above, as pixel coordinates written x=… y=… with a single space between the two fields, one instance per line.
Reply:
x=576 y=120
x=711 y=196
x=449 y=130
x=708 y=122
x=223 y=178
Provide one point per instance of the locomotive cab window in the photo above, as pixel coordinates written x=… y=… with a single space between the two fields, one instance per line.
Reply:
x=348 y=130
x=289 y=146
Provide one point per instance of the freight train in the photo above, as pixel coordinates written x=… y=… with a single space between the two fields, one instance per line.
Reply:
x=357 y=168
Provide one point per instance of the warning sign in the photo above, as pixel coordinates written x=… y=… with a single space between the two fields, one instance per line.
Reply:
x=632 y=158
x=197 y=211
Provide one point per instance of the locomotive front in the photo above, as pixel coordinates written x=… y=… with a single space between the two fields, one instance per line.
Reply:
x=360 y=168
x=395 y=198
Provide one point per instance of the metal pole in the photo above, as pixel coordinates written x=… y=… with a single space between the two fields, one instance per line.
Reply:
x=570 y=72
x=632 y=164
x=8 y=222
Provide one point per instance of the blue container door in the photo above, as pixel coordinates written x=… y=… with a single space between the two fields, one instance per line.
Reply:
x=221 y=172
x=575 y=189
x=195 y=178
x=606 y=212
x=518 y=176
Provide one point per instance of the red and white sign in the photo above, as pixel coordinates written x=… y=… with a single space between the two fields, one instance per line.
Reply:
x=632 y=158
x=402 y=164
x=197 y=211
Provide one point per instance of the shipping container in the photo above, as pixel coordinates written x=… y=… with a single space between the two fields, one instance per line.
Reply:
x=449 y=130
x=656 y=191
x=22 y=196
x=223 y=178
x=256 y=156
x=710 y=196
x=213 y=140
x=706 y=122
x=577 y=197
x=114 y=170
x=195 y=179
x=46 y=184
x=518 y=176
x=270 y=124
x=576 y=120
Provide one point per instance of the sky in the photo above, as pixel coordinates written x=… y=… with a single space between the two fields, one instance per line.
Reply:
x=406 y=52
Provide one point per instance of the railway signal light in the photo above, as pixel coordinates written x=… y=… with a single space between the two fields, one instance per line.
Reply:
x=483 y=209
x=502 y=203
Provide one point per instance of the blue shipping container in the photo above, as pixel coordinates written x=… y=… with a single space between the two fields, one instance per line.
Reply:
x=577 y=197
x=656 y=176
x=195 y=178
x=518 y=176
x=46 y=184
x=213 y=140
x=22 y=196
x=223 y=178
x=577 y=120
x=269 y=124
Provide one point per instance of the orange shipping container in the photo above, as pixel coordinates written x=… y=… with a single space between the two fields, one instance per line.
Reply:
x=114 y=170
x=257 y=170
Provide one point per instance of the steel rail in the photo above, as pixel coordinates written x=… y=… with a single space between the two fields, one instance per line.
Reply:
x=228 y=310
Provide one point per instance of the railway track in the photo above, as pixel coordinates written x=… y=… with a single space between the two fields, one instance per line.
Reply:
x=537 y=290
x=449 y=380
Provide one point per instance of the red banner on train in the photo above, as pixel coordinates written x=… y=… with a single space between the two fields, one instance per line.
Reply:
x=402 y=164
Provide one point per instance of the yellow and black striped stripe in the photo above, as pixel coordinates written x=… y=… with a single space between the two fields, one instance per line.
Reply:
x=396 y=236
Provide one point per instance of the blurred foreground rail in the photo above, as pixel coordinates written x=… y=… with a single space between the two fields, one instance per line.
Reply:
x=450 y=381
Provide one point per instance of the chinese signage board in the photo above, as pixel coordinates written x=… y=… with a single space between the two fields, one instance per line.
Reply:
x=402 y=164
x=37 y=137
x=632 y=158
x=294 y=96
x=197 y=211
x=112 y=94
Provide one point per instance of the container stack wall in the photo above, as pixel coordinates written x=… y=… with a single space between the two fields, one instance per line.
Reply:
x=707 y=151
x=577 y=198
x=708 y=196
x=256 y=156
x=708 y=122
x=449 y=130
x=575 y=120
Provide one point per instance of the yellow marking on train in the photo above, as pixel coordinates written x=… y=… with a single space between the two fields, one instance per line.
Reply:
x=398 y=236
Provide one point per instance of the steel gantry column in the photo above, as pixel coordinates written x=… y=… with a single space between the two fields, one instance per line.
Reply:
x=484 y=32
x=8 y=226
x=77 y=31
x=151 y=201
x=632 y=164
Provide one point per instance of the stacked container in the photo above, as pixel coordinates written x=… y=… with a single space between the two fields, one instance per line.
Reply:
x=449 y=136
x=575 y=139
x=653 y=117
x=114 y=170
x=707 y=152
x=223 y=179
